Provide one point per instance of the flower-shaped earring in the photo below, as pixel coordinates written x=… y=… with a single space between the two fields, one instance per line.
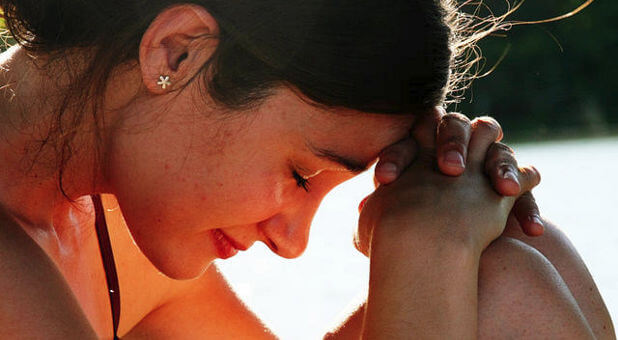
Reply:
x=164 y=81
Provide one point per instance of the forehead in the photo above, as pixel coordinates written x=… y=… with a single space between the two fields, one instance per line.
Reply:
x=356 y=131
x=343 y=130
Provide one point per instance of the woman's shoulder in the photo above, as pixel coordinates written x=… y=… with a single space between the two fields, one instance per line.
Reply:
x=37 y=302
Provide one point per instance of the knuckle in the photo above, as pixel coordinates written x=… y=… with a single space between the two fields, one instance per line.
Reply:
x=506 y=164
x=455 y=118
x=495 y=166
x=407 y=144
x=390 y=151
x=530 y=175
x=455 y=141
x=488 y=125
x=536 y=173
x=500 y=168
x=502 y=148
x=398 y=153
x=500 y=155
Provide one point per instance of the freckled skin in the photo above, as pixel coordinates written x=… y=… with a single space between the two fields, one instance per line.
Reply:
x=179 y=171
x=236 y=174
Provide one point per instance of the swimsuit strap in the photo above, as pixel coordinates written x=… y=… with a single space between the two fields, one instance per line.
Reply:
x=108 y=261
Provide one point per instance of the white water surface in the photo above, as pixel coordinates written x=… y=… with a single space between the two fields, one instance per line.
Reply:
x=304 y=297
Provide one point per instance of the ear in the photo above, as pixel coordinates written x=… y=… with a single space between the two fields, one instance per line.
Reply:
x=177 y=44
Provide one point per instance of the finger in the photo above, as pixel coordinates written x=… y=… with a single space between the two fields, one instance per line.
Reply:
x=485 y=130
x=361 y=246
x=529 y=177
x=452 y=143
x=362 y=236
x=527 y=213
x=501 y=167
x=425 y=128
x=394 y=159
x=361 y=205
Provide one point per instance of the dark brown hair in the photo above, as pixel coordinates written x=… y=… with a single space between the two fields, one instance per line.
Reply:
x=394 y=57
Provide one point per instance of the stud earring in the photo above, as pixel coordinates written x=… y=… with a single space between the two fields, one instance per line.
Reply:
x=164 y=81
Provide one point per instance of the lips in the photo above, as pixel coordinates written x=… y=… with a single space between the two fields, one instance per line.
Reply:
x=226 y=246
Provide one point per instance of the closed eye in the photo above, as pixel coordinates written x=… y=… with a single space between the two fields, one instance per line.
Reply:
x=301 y=181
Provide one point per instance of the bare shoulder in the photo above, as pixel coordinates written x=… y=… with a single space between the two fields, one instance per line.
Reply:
x=560 y=252
x=36 y=300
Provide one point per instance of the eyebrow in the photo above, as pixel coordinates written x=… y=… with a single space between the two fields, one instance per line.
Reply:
x=353 y=165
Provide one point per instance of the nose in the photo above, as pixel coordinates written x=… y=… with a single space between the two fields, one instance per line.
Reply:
x=287 y=234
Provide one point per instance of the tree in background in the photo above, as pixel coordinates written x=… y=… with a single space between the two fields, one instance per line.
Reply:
x=556 y=79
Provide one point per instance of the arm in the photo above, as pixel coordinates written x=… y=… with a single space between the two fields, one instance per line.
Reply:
x=433 y=292
x=430 y=295
x=454 y=133
x=421 y=275
x=539 y=302
x=352 y=327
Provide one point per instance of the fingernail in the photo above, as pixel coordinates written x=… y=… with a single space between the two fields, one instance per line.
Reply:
x=455 y=158
x=536 y=220
x=537 y=228
x=389 y=168
x=508 y=174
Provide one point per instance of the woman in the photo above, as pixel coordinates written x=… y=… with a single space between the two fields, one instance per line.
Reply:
x=220 y=123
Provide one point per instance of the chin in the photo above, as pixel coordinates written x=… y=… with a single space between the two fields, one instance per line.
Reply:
x=179 y=263
x=181 y=270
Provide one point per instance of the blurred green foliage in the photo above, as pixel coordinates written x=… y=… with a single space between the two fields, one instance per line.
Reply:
x=557 y=79
x=5 y=39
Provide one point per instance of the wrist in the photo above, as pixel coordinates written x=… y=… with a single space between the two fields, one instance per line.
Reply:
x=400 y=237
x=419 y=279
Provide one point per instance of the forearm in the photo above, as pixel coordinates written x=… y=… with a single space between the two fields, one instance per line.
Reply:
x=421 y=288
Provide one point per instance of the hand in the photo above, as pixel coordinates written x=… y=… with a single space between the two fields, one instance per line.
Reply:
x=493 y=159
x=453 y=135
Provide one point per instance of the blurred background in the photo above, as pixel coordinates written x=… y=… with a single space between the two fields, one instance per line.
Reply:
x=556 y=80
x=552 y=91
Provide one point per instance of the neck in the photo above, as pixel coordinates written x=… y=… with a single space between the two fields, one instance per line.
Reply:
x=31 y=91
x=29 y=187
x=30 y=191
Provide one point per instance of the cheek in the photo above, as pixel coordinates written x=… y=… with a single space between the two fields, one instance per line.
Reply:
x=245 y=200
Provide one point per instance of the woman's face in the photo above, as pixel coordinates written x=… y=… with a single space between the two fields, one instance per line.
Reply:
x=197 y=186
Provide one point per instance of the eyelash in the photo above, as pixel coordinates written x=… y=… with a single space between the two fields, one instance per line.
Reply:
x=301 y=182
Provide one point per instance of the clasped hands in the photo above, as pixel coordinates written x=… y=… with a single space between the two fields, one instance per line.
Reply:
x=451 y=170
